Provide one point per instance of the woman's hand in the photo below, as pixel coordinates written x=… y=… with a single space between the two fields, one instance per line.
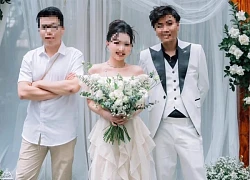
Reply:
x=115 y=120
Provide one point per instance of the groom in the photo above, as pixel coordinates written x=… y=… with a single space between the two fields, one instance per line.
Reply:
x=175 y=121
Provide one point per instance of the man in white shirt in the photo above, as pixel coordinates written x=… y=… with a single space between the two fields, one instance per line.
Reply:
x=48 y=79
x=175 y=121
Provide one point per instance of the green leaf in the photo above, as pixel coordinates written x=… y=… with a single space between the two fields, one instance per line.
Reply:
x=1 y=14
x=115 y=86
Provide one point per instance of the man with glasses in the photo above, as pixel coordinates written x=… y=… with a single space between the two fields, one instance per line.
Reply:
x=48 y=79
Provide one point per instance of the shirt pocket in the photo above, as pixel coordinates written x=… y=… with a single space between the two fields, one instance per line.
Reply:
x=197 y=102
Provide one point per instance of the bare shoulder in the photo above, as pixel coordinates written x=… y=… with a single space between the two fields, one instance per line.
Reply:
x=136 y=70
x=95 y=69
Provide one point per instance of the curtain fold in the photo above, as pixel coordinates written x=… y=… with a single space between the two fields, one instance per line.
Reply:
x=86 y=25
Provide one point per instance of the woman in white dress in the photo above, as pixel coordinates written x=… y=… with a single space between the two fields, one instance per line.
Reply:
x=125 y=161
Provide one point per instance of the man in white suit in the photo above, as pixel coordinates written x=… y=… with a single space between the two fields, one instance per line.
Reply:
x=176 y=119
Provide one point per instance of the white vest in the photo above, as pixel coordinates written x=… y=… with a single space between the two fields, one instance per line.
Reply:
x=174 y=100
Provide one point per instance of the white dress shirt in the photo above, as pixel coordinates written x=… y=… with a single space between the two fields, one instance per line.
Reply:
x=55 y=120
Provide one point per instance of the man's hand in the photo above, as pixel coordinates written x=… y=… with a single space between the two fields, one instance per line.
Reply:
x=35 y=84
x=70 y=76
x=30 y=91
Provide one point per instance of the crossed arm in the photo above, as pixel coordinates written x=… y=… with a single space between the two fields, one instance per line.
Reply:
x=45 y=90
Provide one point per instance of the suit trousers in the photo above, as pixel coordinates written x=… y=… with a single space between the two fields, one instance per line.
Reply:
x=177 y=138
x=31 y=157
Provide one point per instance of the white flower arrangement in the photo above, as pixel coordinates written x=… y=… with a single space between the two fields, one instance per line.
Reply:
x=237 y=48
x=228 y=168
x=122 y=96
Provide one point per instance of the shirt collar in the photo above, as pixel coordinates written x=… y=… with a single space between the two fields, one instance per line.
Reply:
x=174 y=57
x=61 y=50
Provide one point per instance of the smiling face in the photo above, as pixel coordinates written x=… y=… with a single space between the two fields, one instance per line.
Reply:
x=120 y=46
x=167 y=29
x=51 y=31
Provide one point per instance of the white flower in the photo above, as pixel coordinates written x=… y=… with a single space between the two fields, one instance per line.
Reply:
x=232 y=49
x=240 y=71
x=156 y=77
x=233 y=32
x=143 y=77
x=233 y=175
x=95 y=77
x=118 y=94
x=125 y=99
x=134 y=82
x=118 y=102
x=248 y=55
x=120 y=85
x=101 y=81
x=247 y=100
x=233 y=69
x=238 y=53
x=129 y=92
x=112 y=95
x=243 y=39
x=241 y=15
x=99 y=94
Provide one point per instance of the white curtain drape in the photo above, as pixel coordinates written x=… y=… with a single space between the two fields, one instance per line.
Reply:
x=86 y=23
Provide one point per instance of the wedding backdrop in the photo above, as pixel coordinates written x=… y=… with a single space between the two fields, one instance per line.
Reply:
x=86 y=24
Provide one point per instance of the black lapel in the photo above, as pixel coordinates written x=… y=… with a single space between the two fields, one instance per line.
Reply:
x=159 y=63
x=183 y=60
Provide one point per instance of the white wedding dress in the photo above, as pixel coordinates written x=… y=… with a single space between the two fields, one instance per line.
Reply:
x=128 y=161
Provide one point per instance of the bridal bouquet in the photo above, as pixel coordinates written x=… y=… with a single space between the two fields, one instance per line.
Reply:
x=122 y=96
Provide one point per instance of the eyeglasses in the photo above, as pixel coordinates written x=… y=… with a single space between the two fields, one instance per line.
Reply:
x=52 y=27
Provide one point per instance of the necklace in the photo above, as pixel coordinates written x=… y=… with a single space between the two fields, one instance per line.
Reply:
x=110 y=65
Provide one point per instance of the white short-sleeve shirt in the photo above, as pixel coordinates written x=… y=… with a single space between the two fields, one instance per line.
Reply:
x=55 y=120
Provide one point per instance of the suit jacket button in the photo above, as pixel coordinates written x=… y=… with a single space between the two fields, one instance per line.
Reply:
x=164 y=97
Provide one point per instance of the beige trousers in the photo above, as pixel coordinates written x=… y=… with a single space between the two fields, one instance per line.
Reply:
x=32 y=156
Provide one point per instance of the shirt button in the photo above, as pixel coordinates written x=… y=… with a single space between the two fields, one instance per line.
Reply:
x=174 y=89
x=174 y=80
x=173 y=72
x=175 y=98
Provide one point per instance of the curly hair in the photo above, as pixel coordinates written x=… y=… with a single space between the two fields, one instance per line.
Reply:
x=161 y=11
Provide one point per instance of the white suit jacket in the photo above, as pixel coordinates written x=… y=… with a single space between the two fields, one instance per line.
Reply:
x=193 y=81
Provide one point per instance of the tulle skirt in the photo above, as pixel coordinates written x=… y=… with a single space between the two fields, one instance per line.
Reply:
x=128 y=161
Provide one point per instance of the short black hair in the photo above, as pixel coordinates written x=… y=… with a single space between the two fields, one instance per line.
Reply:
x=161 y=11
x=50 y=12
x=120 y=26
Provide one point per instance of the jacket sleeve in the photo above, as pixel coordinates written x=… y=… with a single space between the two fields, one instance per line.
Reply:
x=203 y=81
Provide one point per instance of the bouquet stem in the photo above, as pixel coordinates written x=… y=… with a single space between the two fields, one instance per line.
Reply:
x=116 y=133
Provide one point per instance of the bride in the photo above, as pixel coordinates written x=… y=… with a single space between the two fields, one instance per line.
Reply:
x=125 y=161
